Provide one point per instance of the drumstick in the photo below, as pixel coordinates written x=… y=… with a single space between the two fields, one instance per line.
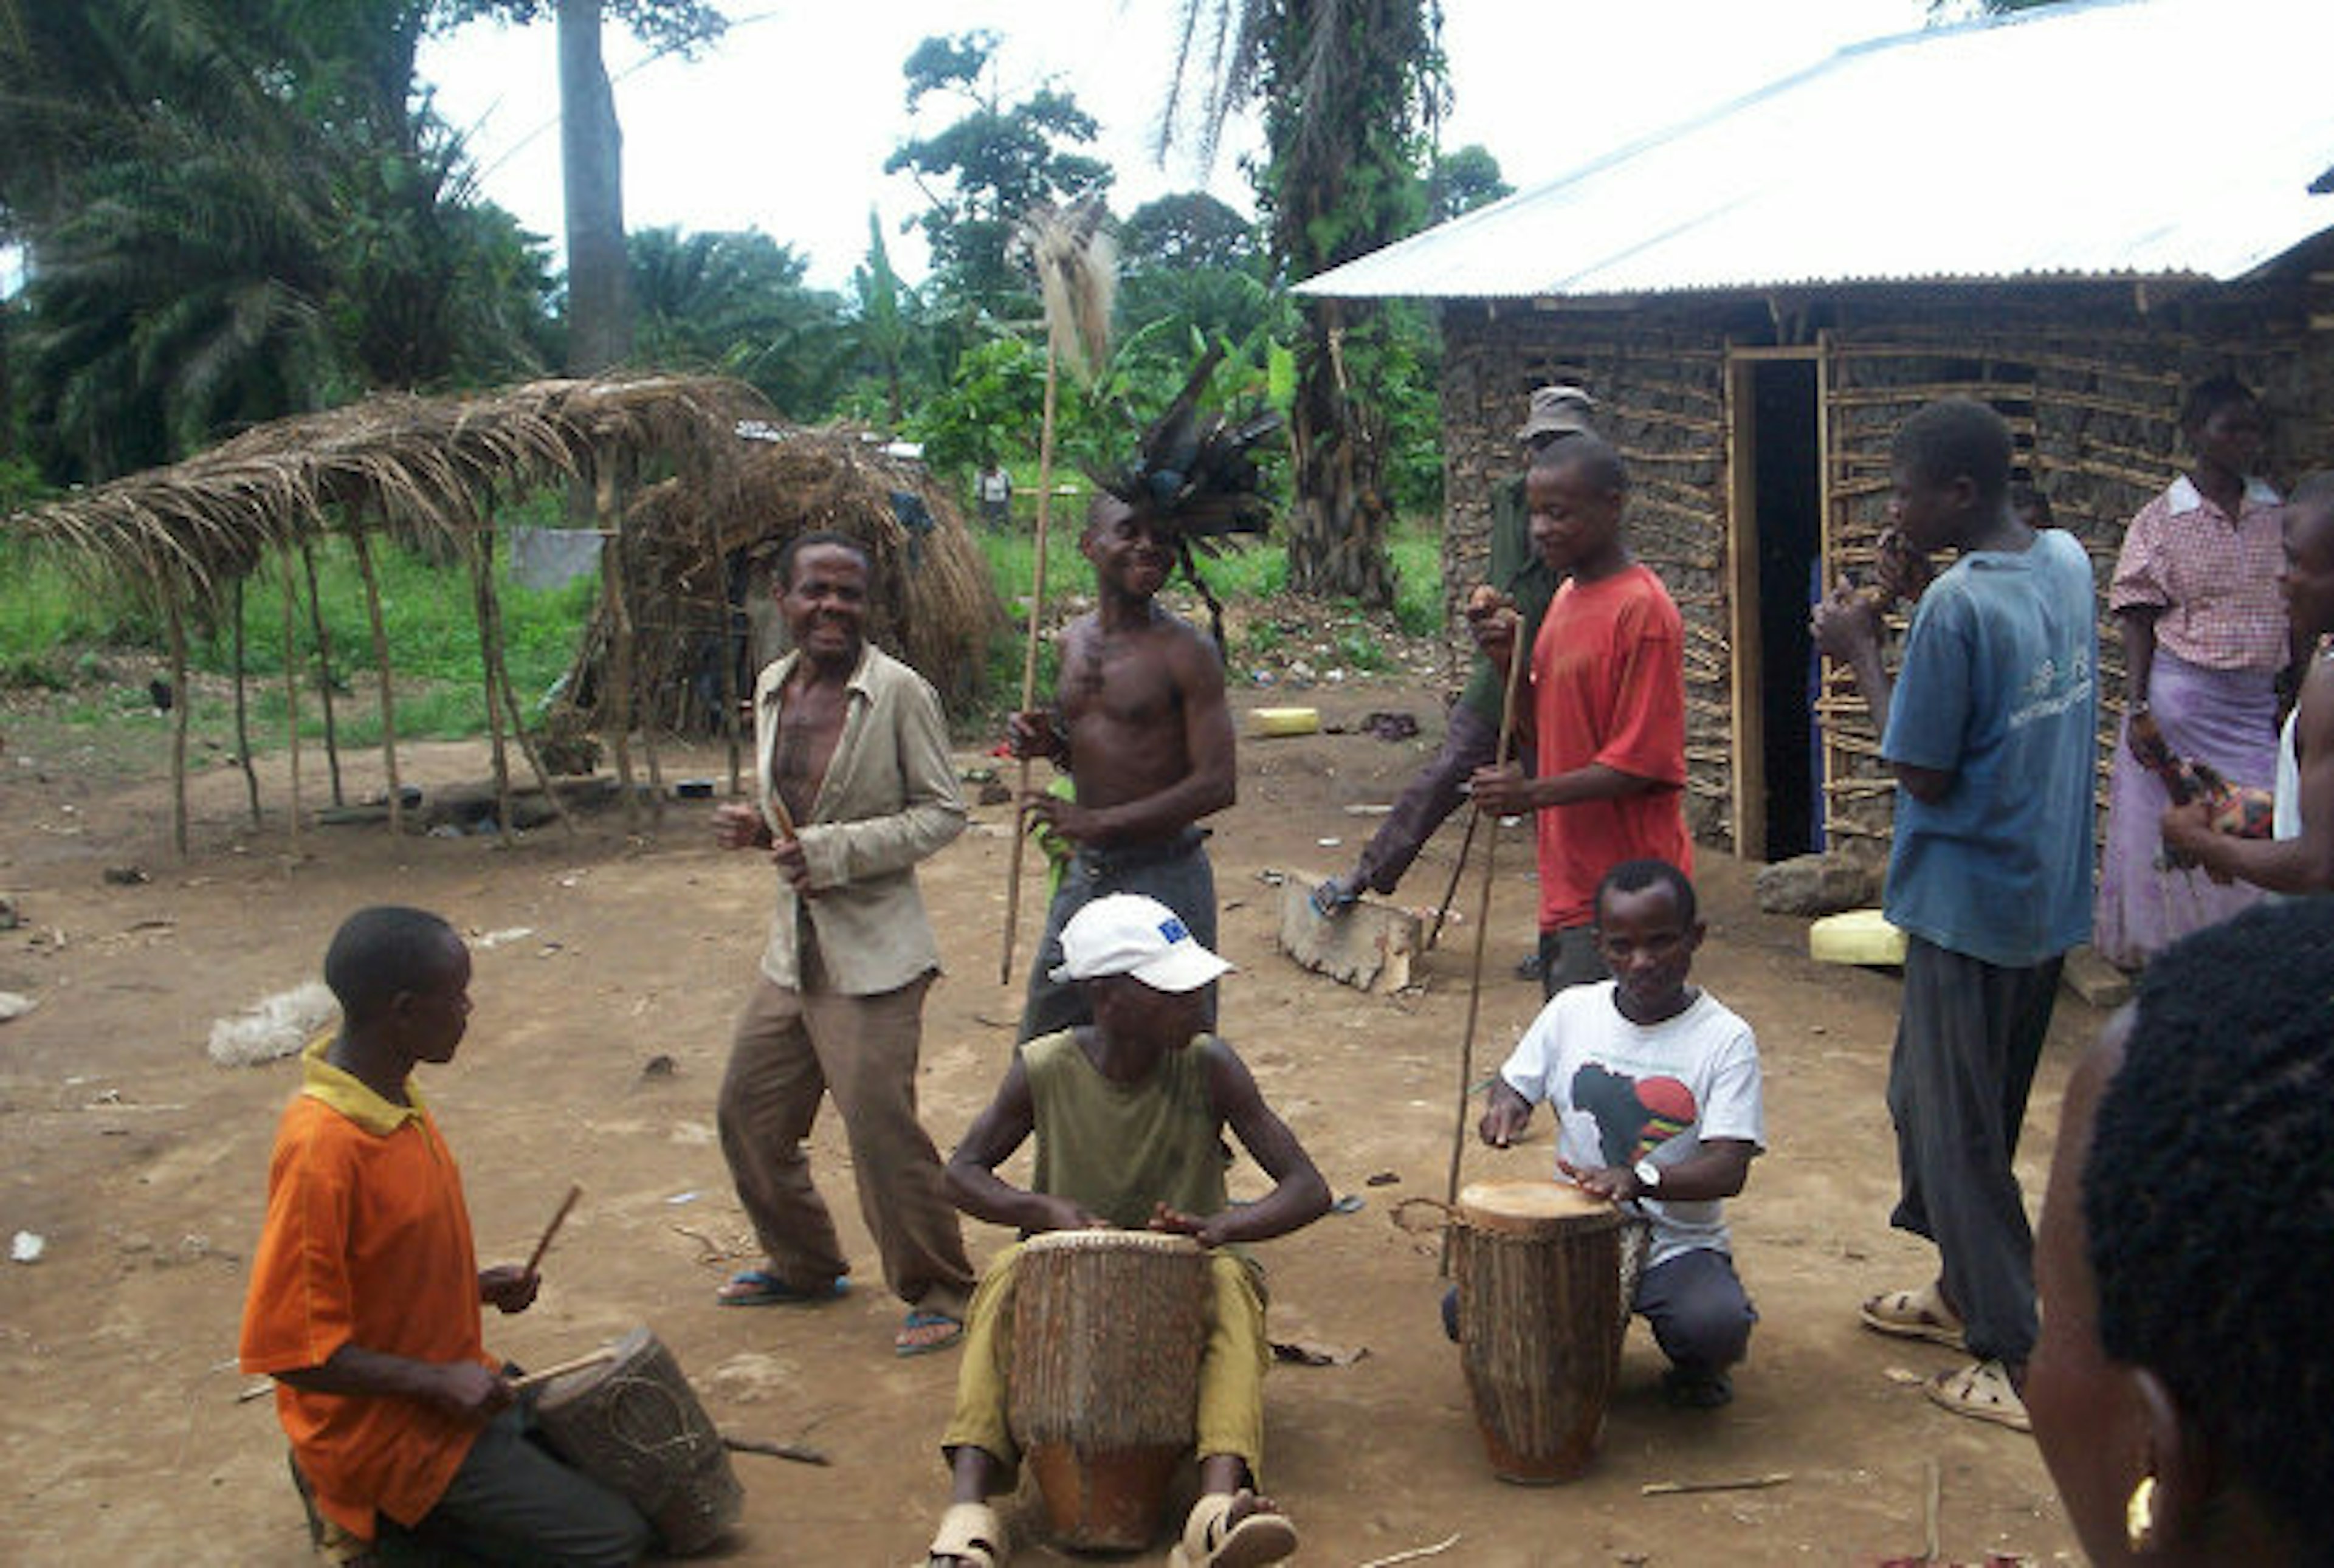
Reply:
x=536 y=1379
x=1475 y=973
x=566 y=1204
x=794 y=1451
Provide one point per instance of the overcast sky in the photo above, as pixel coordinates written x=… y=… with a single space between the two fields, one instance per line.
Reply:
x=784 y=125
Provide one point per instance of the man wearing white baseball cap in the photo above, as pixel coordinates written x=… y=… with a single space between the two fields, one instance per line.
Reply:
x=1128 y=1112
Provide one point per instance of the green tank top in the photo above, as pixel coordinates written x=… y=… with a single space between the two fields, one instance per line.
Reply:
x=1118 y=1148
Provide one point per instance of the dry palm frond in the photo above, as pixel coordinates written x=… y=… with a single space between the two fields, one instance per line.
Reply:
x=1076 y=263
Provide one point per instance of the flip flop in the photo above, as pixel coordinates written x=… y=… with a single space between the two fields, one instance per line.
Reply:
x=1983 y=1392
x=755 y=1288
x=1210 y=1540
x=969 y=1533
x=1913 y=1314
x=915 y=1320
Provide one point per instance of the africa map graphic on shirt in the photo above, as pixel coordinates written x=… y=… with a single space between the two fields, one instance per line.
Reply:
x=1635 y=1116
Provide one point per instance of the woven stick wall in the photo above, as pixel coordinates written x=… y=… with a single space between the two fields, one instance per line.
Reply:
x=2090 y=382
x=1660 y=400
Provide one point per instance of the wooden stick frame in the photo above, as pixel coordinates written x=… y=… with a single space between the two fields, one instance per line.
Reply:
x=1030 y=659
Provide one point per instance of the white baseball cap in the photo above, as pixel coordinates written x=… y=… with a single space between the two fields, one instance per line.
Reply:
x=1129 y=934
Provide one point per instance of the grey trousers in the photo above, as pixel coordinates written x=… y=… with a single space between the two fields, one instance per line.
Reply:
x=1570 y=958
x=791 y=1048
x=515 y=1502
x=1967 y=1043
x=1698 y=1310
x=1175 y=873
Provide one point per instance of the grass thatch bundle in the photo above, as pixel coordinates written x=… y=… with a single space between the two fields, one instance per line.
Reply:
x=695 y=561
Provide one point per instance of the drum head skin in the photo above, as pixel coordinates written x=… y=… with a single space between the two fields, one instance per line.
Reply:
x=1528 y=1205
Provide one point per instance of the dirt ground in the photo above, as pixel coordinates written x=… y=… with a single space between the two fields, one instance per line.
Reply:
x=142 y=1166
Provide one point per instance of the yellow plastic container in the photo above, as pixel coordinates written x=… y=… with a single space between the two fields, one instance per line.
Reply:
x=1857 y=936
x=1275 y=721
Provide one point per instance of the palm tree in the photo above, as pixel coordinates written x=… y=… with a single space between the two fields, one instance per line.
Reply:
x=1350 y=90
x=734 y=302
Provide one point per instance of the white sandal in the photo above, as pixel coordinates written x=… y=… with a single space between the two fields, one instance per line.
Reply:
x=969 y=1533
x=1211 y=1541
x=1983 y=1392
x=1913 y=1314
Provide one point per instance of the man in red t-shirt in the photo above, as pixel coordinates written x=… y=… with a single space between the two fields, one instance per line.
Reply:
x=1606 y=707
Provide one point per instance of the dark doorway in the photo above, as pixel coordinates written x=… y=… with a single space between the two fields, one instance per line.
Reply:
x=1788 y=500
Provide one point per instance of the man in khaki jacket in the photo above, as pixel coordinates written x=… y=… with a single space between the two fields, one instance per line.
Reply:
x=853 y=787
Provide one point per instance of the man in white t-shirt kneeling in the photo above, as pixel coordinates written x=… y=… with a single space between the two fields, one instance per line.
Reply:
x=1656 y=1086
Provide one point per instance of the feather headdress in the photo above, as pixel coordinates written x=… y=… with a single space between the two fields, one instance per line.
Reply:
x=1195 y=479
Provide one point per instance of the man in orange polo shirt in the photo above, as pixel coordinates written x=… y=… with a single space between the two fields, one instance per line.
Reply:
x=365 y=1290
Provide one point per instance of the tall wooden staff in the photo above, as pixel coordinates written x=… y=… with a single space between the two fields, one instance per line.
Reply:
x=1515 y=657
x=1076 y=266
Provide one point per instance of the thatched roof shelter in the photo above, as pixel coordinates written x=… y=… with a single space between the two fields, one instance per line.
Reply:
x=687 y=571
x=428 y=470
x=419 y=466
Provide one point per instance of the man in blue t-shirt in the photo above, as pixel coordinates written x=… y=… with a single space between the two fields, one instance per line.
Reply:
x=1989 y=730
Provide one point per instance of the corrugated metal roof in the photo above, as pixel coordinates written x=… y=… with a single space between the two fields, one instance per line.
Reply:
x=2115 y=137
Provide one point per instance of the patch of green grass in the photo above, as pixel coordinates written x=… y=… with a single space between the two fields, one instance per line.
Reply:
x=44 y=609
x=1416 y=551
x=1262 y=638
x=1357 y=644
x=428 y=617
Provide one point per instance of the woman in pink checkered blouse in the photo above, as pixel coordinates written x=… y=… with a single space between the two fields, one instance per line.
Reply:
x=2203 y=637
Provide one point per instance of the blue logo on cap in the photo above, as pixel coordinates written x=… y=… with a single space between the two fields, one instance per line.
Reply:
x=1174 y=930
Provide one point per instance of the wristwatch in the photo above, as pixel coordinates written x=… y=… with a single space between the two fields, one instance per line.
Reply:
x=1648 y=1175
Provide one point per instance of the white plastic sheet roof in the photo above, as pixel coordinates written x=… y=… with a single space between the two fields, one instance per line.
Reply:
x=2111 y=138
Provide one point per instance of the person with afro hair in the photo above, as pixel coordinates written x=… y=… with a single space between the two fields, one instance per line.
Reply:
x=2180 y=1388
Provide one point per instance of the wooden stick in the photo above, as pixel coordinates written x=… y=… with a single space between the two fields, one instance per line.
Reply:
x=1029 y=655
x=1442 y=909
x=1739 y=1483
x=1932 y=1512
x=794 y=1451
x=383 y=669
x=1415 y=1553
x=786 y=822
x=181 y=705
x=558 y=1220
x=480 y=548
x=323 y=665
x=1482 y=930
x=291 y=701
x=243 y=711
x=616 y=716
x=536 y=1379
x=719 y=565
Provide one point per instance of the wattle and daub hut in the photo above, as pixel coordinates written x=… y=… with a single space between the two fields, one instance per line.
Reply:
x=696 y=485
x=2034 y=210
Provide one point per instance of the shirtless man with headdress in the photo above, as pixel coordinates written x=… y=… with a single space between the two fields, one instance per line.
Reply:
x=1139 y=719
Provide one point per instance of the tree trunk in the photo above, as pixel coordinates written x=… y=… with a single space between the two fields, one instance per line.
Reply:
x=1338 y=518
x=592 y=146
